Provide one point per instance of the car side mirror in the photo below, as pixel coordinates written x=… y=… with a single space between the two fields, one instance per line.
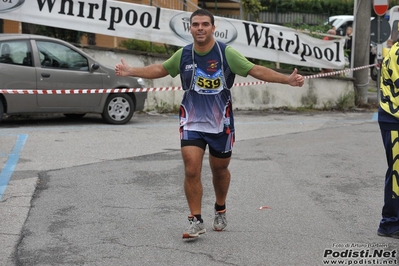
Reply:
x=95 y=66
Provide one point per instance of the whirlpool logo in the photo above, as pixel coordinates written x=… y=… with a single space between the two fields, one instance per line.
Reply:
x=10 y=5
x=180 y=25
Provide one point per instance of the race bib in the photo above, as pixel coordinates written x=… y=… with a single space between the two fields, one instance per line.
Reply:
x=208 y=84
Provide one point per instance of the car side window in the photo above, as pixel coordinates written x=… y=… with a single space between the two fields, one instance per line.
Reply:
x=342 y=30
x=394 y=34
x=55 y=55
x=16 y=52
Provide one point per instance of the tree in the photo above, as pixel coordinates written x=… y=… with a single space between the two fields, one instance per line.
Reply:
x=252 y=7
x=71 y=36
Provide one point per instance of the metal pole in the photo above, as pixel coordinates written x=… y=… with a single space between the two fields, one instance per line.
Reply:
x=353 y=48
x=276 y=12
x=362 y=46
x=379 y=57
x=241 y=12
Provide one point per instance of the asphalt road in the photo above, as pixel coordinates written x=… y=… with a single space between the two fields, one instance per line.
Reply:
x=81 y=192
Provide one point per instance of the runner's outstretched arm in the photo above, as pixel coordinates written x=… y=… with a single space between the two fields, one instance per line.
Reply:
x=148 y=72
x=269 y=75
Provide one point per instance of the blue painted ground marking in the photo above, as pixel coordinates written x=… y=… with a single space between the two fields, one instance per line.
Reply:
x=12 y=161
x=375 y=117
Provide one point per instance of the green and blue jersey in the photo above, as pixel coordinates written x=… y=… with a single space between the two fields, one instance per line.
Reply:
x=206 y=79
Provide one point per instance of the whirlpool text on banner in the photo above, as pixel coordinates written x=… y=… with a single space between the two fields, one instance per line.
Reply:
x=254 y=40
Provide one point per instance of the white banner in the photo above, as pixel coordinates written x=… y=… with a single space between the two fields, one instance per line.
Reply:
x=254 y=40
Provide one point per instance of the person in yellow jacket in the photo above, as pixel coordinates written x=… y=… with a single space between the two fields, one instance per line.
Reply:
x=385 y=50
x=388 y=120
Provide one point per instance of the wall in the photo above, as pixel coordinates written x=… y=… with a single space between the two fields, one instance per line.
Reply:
x=11 y=26
x=316 y=92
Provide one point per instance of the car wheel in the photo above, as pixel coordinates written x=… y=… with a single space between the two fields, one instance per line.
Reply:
x=118 y=109
x=74 y=116
x=1 y=109
x=373 y=73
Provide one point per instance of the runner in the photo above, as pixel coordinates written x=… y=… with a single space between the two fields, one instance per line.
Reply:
x=207 y=70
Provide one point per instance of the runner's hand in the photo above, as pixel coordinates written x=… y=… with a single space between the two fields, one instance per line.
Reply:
x=295 y=79
x=122 y=69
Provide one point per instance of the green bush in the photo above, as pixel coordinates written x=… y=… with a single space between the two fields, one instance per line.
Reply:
x=146 y=46
x=332 y=7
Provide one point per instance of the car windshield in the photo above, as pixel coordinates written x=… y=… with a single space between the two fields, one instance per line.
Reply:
x=336 y=22
x=333 y=22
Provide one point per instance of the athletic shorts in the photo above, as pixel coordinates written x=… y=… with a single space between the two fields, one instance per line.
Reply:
x=220 y=145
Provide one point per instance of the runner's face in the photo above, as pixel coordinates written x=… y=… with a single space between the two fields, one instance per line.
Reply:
x=202 y=29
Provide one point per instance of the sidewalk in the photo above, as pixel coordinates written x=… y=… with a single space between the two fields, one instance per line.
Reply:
x=372 y=96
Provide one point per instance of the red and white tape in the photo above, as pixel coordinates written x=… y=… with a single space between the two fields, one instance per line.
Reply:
x=130 y=90
x=88 y=91
x=337 y=72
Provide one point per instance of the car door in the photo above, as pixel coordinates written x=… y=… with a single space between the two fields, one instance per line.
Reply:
x=63 y=68
x=17 y=73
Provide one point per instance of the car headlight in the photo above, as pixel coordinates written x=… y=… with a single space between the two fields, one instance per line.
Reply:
x=140 y=81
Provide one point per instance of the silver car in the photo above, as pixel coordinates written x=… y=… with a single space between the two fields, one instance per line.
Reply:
x=43 y=64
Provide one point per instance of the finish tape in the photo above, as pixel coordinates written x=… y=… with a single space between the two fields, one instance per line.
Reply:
x=130 y=90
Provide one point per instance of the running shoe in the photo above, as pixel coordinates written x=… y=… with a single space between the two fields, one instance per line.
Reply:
x=195 y=228
x=220 y=221
x=393 y=235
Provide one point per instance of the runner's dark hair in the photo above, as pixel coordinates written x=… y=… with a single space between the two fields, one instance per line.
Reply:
x=203 y=12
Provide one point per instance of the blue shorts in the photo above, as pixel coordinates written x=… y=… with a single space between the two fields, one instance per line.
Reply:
x=220 y=145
